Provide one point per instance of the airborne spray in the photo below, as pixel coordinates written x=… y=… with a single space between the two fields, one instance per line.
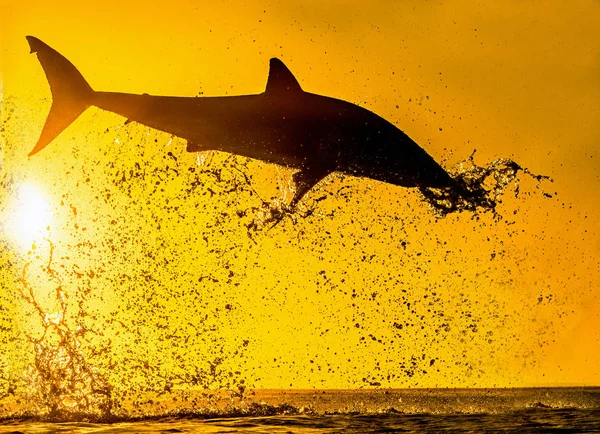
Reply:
x=480 y=188
x=79 y=372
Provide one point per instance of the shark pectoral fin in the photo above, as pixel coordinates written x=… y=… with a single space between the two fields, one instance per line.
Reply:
x=280 y=78
x=305 y=180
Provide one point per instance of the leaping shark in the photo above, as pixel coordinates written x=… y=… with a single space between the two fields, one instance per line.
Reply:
x=285 y=125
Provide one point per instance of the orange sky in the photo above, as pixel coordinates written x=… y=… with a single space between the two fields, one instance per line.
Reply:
x=376 y=291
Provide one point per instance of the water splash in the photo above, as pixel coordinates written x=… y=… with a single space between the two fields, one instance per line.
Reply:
x=479 y=188
x=69 y=376
x=61 y=382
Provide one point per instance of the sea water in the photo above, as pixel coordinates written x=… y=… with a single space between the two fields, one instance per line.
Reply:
x=376 y=410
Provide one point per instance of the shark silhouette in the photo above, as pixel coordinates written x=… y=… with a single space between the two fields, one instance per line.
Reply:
x=283 y=125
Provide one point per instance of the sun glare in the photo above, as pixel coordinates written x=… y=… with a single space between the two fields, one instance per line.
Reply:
x=29 y=218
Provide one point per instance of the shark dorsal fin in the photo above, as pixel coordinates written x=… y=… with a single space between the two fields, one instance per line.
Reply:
x=280 y=78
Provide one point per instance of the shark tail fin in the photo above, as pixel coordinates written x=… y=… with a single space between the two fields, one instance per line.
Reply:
x=71 y=94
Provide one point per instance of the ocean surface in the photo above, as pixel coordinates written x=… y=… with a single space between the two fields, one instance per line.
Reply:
x=332 y=411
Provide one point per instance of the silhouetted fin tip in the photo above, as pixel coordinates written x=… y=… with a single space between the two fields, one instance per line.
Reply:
x=281 y=78
x=34 y=44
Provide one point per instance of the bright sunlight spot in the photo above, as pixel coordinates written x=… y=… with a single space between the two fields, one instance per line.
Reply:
x=29 y=217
